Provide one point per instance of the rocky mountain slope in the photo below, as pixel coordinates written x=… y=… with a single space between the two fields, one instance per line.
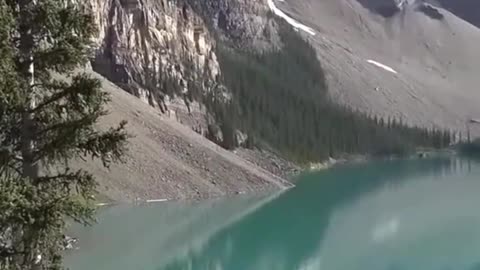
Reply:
x=157 y=49
x=153 y=48
x=169 y=161
x=163 y=52
x=409 y=64
x=406 y=59
x=410 y=60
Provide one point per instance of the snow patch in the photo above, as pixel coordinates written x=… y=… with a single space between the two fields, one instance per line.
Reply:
x=157 y=200
x=102 y=204
x=288 y=19
x=380 y=65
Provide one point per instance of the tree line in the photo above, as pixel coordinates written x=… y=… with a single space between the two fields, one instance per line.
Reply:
x=280 y=98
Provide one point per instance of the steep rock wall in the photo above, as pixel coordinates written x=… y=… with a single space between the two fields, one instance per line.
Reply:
x=243 y=23
x=153 y=47
x=159 y=48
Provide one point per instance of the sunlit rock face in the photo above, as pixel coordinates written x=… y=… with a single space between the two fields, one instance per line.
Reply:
x=244 y=23
x=153 y=47
x=159 y=48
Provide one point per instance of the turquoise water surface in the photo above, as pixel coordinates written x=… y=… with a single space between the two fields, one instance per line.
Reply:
x=392 y=215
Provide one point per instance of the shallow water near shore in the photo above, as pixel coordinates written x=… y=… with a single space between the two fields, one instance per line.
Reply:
x=403 y=214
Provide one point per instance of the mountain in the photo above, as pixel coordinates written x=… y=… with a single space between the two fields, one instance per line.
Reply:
x=435 y=61
x=309 y=79
x=167 y=160
x=160 y=49
x=157 y=58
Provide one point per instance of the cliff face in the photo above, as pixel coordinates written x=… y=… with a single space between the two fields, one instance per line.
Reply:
x=245 y=23
x=154 y=48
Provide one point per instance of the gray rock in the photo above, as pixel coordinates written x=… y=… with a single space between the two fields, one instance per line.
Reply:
x=153 y=47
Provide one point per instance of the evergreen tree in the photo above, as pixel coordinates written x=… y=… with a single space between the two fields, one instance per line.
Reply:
x=45 y=124
x=281 y=98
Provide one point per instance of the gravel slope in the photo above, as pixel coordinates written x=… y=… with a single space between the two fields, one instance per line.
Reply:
x=438 y=62
x=167 y=160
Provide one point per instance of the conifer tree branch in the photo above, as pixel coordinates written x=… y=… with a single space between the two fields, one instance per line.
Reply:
x=47 y=122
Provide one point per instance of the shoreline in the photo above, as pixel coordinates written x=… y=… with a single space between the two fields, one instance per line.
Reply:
x=141 y=202
x=357 y=159
x=292 y=171
x=167 y=160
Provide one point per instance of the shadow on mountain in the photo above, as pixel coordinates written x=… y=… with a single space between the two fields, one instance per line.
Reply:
x=387 y=9
x=430 y=11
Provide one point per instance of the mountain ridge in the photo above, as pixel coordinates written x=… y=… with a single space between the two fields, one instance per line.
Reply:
x=171 y=51
x=436 y=64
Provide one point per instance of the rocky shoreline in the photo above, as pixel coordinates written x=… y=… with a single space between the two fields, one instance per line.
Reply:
x=168 y=160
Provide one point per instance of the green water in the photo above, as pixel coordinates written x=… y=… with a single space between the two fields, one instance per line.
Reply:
x=418 y=214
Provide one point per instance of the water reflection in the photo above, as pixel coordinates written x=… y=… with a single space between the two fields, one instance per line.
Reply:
x=129 y=237
x=430 y=223
x=386 y=215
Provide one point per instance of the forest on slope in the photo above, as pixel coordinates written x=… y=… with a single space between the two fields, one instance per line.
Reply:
x=280 y=98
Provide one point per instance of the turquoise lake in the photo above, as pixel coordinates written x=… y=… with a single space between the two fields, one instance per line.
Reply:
x=389 y=215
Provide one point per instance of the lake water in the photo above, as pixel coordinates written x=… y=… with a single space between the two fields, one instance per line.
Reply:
x=392 y=215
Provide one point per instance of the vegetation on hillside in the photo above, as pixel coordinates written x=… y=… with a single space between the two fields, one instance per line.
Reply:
x=281 y=98
x=44 y=124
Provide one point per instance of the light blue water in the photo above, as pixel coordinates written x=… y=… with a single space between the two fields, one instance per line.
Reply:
x=418 y=214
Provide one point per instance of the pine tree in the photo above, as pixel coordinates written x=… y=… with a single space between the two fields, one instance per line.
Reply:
x=46 y=123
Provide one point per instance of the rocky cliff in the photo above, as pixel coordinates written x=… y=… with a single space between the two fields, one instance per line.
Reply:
x=244 y=23
x=153 y=47
x=163 y=48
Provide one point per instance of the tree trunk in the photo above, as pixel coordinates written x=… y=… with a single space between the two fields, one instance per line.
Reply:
x=29 y=168
x=24 y=237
